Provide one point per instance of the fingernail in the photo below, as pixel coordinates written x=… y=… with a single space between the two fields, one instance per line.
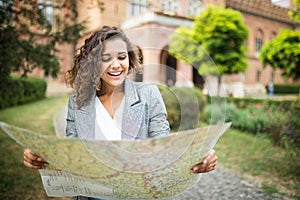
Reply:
x=204 y=161
x=39 y=159
x=195 y=169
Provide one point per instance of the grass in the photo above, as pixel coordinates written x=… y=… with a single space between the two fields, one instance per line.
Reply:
x=17 y=181
x=276 y=169
x=250 y=156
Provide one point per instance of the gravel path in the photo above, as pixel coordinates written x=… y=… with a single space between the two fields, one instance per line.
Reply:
x=222 y=185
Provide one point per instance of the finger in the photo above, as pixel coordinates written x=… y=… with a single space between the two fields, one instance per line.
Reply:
x=202 y=168
x=197 y=170
x=29 y=165
x=35 y=163
x=211 y=155
x=32 y=156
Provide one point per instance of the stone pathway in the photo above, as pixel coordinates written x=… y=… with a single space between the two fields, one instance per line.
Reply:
x=223 y=185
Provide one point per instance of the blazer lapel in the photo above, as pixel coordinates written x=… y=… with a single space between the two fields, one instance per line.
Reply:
x=133 y=113
x=85 y=120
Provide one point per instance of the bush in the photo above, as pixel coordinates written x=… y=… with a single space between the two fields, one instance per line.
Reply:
x=246 y=102
x=20 y=90
x=255 y=119
x=292 y=124
x=279 y=121
x=250 y=120
x=184 y=106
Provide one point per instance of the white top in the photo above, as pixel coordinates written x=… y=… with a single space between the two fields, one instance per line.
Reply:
x=106 y=127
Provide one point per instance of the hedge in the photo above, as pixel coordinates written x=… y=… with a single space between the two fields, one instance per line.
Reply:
x=278 y=122
x=20 y=90
x=246 y=102
x=184 y=105
x=285 y=89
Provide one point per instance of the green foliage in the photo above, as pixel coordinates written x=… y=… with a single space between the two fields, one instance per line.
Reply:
x=279 y=120
x=242 y=119
x=184 y=106
x=292 y=124
x=295 y=14
x=28 y=40
x=283 y=52
x=19 y=90
x=285 y=89
x=248 y=102
x=217 y=38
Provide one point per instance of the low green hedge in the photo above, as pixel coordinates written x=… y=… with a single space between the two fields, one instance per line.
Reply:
x=280 y=123
x=20 y=90
x=246 y=102
x=184 y=105
x=285 y=89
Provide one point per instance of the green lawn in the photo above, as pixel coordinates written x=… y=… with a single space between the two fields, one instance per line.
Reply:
x=247 y=155
x=17 y=181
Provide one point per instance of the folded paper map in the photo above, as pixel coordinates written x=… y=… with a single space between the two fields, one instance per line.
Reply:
x=141 y=169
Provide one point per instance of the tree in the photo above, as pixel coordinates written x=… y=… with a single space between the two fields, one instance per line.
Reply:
x=29 y=38
x=283 y=52
x=295 y=14
x=218 y=32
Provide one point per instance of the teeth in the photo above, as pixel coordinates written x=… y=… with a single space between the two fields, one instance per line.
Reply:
x=115 y=73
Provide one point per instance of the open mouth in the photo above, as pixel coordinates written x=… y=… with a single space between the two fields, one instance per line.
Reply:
x=115 y=73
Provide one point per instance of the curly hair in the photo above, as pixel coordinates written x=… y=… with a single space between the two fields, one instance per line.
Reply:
x=84 y=76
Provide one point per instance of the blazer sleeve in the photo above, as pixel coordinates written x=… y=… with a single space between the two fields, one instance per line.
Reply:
x=70 y=128
x=158 y=124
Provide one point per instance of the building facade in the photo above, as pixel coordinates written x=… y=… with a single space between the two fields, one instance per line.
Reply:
x=149 y=24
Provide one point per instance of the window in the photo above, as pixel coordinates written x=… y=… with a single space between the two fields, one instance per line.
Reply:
x=258 y=76
x=273 y=75
x=258 y=41
x=273 y=35
x=46 y=6
x=138 y=6
x=194 y=8
x=170 y=6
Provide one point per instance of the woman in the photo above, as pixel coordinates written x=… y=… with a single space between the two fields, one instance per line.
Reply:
x=108 y=106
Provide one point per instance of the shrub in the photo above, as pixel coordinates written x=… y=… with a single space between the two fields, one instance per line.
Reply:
x=255 y=120
x=274 y=126
x=292 y=124
x=20 y=90
x=184 y=106
x=246 y=102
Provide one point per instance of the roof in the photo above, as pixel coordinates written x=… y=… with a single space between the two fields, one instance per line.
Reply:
x=263 y=8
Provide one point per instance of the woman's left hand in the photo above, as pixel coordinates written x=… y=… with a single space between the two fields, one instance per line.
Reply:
x=208 y=164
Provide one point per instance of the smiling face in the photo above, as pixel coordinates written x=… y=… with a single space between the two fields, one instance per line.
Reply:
x=114 y=63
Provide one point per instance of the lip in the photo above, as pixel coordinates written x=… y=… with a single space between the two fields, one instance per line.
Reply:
x=115 y=74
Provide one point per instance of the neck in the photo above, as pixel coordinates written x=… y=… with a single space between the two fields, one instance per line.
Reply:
x=107 y=90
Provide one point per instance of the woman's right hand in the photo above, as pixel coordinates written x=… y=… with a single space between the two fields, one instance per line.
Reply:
x=33 y=161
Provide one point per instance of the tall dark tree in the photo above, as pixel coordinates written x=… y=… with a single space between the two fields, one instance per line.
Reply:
x=30 y=31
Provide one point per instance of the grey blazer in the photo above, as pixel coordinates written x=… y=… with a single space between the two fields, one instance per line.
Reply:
x=144 y=114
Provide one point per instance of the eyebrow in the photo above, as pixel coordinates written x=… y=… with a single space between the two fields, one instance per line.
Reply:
x=108 y=54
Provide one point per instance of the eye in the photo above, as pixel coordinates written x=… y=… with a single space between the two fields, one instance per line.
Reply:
x=122 y=57
x=106 y=58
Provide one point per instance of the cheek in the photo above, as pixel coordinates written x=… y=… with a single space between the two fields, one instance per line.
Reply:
x=125 y=63
x=103 y=67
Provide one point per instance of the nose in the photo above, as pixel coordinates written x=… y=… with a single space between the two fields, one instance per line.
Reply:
x=115 y=63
